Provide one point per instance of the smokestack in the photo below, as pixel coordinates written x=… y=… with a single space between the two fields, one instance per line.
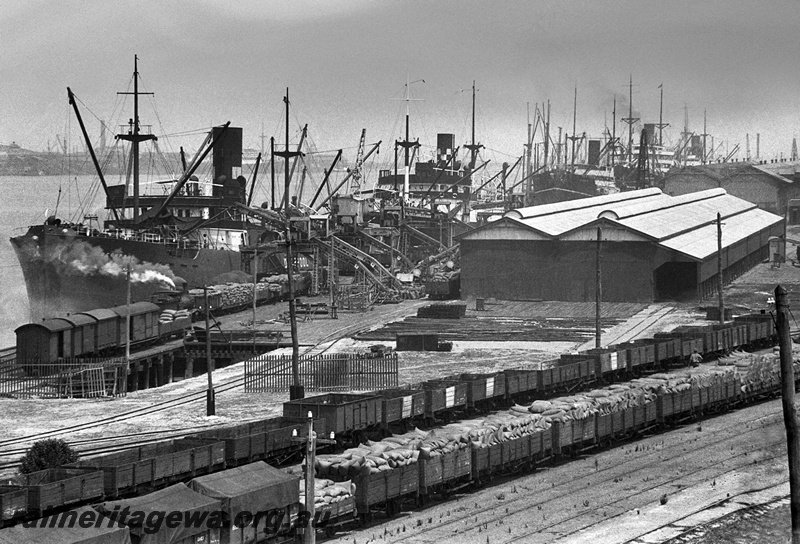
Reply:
x=758 y=145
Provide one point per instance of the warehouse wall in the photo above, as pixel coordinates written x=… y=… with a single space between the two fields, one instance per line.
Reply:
x=548 y=270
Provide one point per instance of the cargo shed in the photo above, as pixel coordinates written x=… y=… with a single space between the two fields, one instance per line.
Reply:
x=653 y=247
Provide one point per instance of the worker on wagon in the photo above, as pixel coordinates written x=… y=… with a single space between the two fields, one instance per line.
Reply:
x=695 y=359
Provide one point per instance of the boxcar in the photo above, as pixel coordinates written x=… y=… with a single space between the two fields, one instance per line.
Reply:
x=107 y=328
x=44 y=342
x=84 y=334
x=144 y=322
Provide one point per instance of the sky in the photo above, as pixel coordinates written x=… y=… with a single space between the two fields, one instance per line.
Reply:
x=346 y=64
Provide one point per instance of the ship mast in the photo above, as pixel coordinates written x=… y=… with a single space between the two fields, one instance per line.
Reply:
x=473 y=147
x=296 y=390
x=630 y=120
x=661 y=124
x=134 y=136
x=407 y=144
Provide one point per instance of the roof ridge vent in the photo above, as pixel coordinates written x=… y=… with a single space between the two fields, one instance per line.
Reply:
x=608 y=214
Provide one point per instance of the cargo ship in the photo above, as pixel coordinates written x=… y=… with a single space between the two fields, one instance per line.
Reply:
x=189 y=234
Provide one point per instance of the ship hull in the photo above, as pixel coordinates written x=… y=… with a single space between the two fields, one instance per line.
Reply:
x=66 y=272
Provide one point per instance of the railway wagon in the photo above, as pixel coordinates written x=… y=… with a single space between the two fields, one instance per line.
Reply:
x=176 y=499
x=256 y=487
x=521 y=383
x=269 y=439
x=44 y=342
x=444 y=472
x=568 y=371
x=13 y=503
x=443 y=396
x=84 y=333
x=401 y=405
x=386 y=489
x=144 y=322
x=107 y=325
x=482 y=389
x=344 y=414
x=57 y=487
x=152 y=465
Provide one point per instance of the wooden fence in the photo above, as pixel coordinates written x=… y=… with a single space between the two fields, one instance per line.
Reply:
x=70 y=378
x=329 y=372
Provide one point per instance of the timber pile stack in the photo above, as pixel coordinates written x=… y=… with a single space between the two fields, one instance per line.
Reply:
x=275 y=283
x=443 y=311
x=490 y=328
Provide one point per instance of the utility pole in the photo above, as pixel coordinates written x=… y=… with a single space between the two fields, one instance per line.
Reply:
x=295 y=391
x=705 y=135
x=128 y=329
x=719 y=270
x=332 y=281
x=598 y=291
x=255 y=294
x=311 y=441
x=789 y=410
x=210 y=400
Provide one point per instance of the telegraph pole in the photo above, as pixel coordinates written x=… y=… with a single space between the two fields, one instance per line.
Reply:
x=311 y=441
x=128 y=329
x=789 y=410
x=719 y=270
x=210 y=400
x=255 y=294
x=598 y=291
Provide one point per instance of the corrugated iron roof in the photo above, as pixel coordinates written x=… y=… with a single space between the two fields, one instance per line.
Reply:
x=701 y=242
x=685 y=223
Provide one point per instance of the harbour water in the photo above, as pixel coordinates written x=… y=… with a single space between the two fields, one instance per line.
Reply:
x=26 y=201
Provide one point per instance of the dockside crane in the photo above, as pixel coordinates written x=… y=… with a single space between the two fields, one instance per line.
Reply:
x=355 y=179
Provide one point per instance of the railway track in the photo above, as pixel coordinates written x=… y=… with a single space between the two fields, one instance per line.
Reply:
x=568 y=500
x=14 y=446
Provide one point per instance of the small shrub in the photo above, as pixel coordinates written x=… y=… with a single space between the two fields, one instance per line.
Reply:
x=48 y=453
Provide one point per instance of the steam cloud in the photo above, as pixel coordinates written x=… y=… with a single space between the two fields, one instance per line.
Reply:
x=82 y=258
